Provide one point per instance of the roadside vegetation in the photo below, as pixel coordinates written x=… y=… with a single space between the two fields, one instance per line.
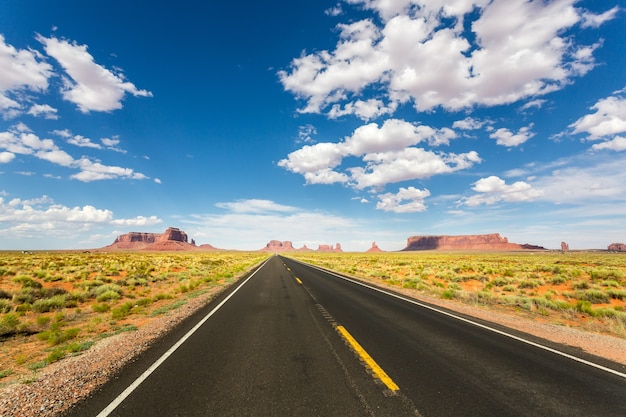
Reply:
x=578 y=289
x=54 y=304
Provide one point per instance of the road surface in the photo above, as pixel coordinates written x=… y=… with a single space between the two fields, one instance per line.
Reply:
x=293 y=340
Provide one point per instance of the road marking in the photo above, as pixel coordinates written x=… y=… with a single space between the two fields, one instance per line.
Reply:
x=132 y=387
x=369 y=361
x=482 y=326
x=299 y=280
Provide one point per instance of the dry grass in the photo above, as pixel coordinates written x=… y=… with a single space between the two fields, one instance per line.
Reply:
x=60 y=303
x=586 y=290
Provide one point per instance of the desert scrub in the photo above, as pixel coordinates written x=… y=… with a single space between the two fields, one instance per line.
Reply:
x=521 y=279
x=59 y=302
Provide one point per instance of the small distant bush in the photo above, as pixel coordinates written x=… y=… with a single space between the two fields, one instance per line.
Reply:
x=9 y=323
x=5 y=306
x=531 y=283
x=27 y=282
x=101 y=307
x=593 y=296
x=122 y=311
x=108 y=295
x=48 y=304
x=448 y=294
x=581 y=285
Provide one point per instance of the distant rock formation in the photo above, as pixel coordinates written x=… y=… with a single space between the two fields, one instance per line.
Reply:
x=489 y=242
x=172 y=240
x=330 y=248
x=278 y=246
x=617 y=247
x=374 y=248
x=287 y=246
x=564 y=247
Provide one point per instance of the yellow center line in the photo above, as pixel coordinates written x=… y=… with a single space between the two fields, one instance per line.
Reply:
x=299 y=280
x=369 y=361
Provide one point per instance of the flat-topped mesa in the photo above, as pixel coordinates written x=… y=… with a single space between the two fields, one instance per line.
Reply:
x=489 y=242
x=329 y=248
x=278 y=246
x=173 y=239
x=287 y=246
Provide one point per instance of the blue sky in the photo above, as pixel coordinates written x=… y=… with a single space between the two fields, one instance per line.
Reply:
x=317 y=122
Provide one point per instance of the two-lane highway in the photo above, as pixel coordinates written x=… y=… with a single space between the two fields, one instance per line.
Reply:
x=267 y=351
x=294 y=340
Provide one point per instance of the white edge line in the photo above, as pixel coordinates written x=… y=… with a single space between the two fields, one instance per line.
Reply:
x=520 y=339
x=132 y=387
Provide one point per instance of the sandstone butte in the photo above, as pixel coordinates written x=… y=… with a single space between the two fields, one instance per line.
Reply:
x=489 y=242
x=287 y=246
x=617 y=247
x=172 y=240
x=374 y=248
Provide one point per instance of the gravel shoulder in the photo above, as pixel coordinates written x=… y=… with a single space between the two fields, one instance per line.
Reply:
x=62 y=384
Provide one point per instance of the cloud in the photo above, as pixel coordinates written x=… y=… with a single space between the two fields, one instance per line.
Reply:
x=406 y=200
x=492 y=190
x=47 y=111
x=21 y=70
x=505 y=137
x=591 y=20
x=90 y=86
x=618 y=143
x=42 y=217
x=386 y=154
x=363 y=109
x=83 y=142
x=608 y=119
x=306 y=133
x=137 y=221
x=411 y=163
x=454 y=55
x=19 y=140
x=469 y=123
x=6 y=157
x=256 y=206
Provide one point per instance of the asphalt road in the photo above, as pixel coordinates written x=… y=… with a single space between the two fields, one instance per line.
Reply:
x=293 y=340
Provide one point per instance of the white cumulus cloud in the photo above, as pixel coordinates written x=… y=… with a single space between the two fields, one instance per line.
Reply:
x=450 y=54
x=505 y=137
x=406 y=200
x=492 y=190
x=609 y=117
x=90 y=86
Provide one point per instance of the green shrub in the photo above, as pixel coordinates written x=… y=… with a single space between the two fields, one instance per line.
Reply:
x=9 y=323
x=581 y=285
x=448 y=294
x=5 y=306
x=101 y=307
x=593 y=296
x=122 y=311
x=56 y=336
x=27 y=282
x=531 y=283
x=559 y=279
x=55 y=355
x=108 y=295
x=48 y=304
